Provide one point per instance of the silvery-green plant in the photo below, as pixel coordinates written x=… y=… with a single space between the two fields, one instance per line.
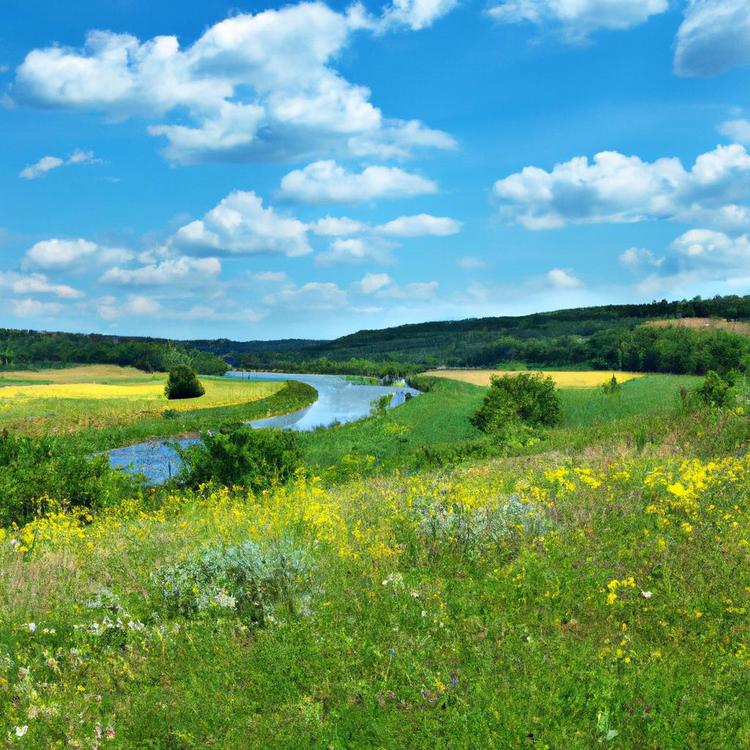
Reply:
x=244 y=578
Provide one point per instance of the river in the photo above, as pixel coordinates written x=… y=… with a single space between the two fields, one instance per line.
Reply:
x=339 y=401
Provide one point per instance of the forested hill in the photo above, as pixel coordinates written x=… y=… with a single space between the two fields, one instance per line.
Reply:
x=610 y=336
x=590 y=336
x=582 y=321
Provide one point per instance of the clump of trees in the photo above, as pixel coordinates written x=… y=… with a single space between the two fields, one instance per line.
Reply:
x=183 y=383
x=515 y=404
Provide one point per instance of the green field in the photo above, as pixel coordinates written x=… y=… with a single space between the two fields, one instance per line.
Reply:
x=417 y=585
x=436 y=426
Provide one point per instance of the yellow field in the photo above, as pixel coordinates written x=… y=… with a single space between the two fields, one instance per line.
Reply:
x=562 y=378
x=143 y=395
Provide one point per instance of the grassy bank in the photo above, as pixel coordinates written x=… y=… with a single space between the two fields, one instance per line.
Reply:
x=561 y=605
x=290 y=397
x=436 y=429
x=439 y=417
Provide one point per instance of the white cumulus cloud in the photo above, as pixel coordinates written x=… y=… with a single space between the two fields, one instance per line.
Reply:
x=737 y=130
x=241 y=225
x=70 y=255
x=413 y=14
x=35 y=283
x=48 y=163
x=252 y=87
x=373 y=282
x=314 y=295
x=33 y=308
x=328 y=182
x=618 y=188
x=182 y=270
x=563 y=278
x=138 y=304
x=714 y=36
x=337 y=226
x=638 y=257
x=578 y=19
x=355 y=251
x=420 y=225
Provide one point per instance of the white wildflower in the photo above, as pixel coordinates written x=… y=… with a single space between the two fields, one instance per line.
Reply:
x=225 y=600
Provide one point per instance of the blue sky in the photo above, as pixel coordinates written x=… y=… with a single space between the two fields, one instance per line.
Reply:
x=265 y=171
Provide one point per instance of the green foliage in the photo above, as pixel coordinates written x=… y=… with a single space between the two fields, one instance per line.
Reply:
x=518 y=401
x=183 y=383
x=611 y=594
x=25 y=349
x=34 y=470
x=254 y=458
x=380 y=406
x=715 y=390
x=611 y=387
x=241 y=578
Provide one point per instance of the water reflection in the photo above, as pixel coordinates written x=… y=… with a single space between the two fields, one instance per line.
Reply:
x=339 y=400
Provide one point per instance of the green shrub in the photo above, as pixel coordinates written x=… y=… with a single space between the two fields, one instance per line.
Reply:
x=611 y=387
x=515 y=403
x=257 y=459
x=423 y=383
x=379 y=406
x=183 y=383
x=715 y=390
x=49 y=467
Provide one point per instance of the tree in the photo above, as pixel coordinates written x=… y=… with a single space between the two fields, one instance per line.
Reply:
x=183 y=383
x=518 y=400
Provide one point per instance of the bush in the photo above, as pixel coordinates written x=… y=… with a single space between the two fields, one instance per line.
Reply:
x=715 y=390
x=515 y=403
x=611 y=387
x=380 y=406
x=257 y=459
x=183 y=383
x=32 y=469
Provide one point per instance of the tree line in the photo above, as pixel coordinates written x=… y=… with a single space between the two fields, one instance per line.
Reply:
x=20 y=349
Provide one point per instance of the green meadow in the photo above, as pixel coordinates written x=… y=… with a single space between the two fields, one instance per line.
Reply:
x=415 y=584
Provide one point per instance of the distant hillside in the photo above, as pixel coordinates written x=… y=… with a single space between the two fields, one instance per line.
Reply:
x=681 y=336
x=562 y=337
